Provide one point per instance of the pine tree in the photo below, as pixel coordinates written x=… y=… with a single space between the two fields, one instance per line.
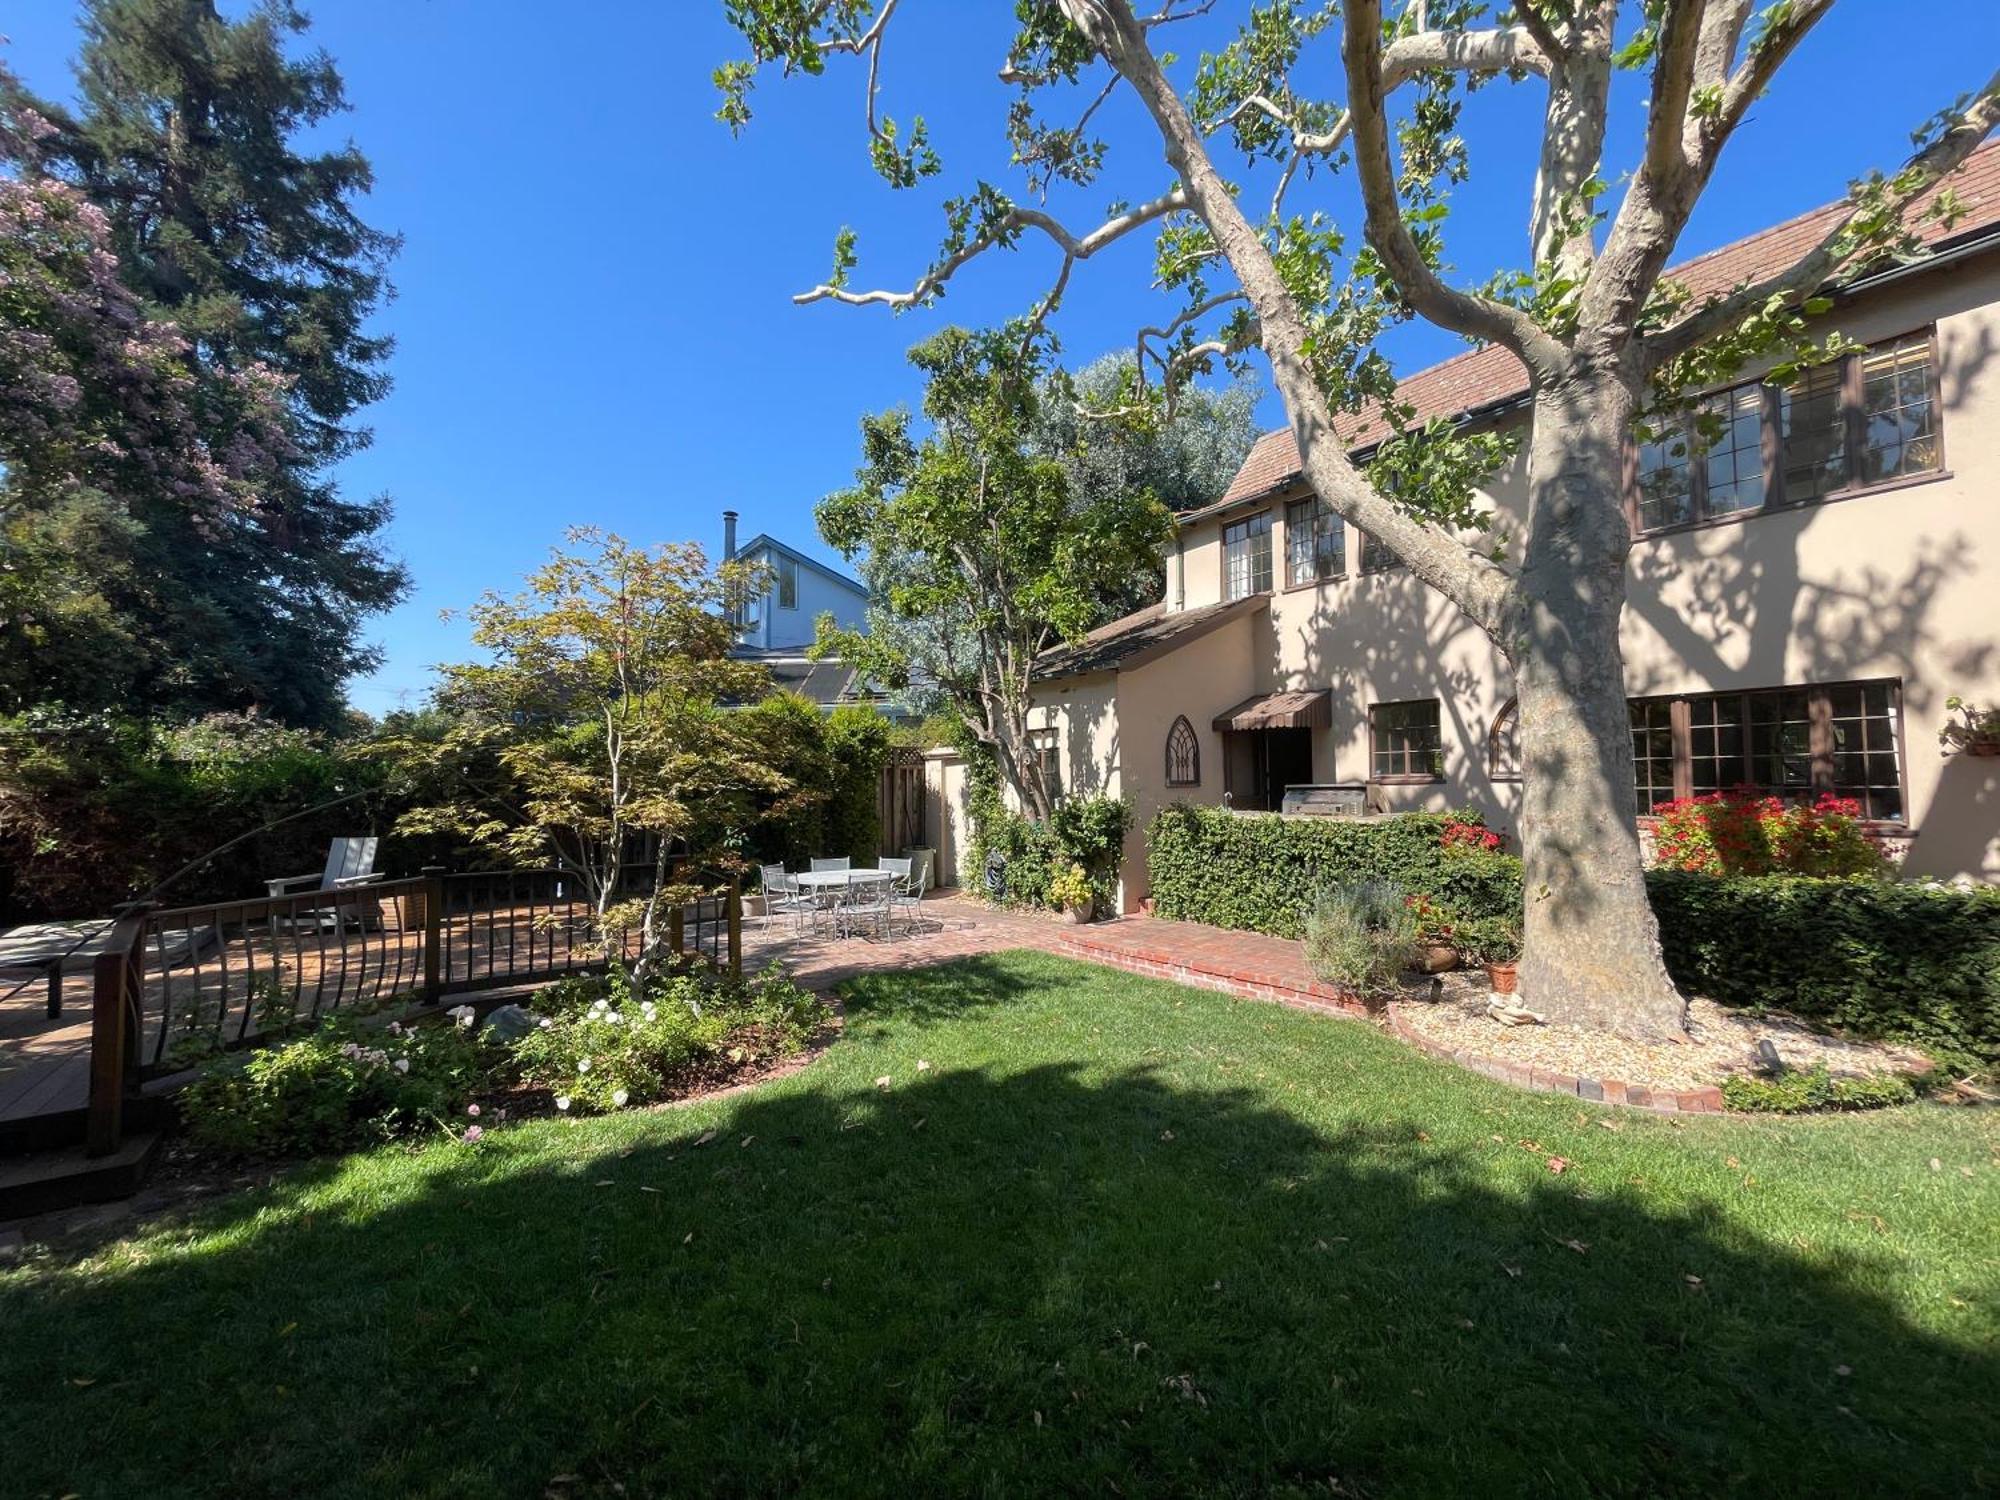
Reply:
x=185 y=135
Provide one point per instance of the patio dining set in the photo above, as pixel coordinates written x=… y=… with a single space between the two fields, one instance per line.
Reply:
x=834 y=896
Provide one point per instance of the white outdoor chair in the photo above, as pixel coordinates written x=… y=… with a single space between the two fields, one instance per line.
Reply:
x=782 y=896
x=868 y=905
x=819 y=865
x=350 y=862
x=909 y=893
x=899 y=881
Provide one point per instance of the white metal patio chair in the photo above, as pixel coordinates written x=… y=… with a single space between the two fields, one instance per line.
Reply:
x=899 y=882
x=868 y=905
x=820 y=866
x=782 y=896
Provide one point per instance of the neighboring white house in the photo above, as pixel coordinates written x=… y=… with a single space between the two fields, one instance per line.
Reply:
x=802 y=589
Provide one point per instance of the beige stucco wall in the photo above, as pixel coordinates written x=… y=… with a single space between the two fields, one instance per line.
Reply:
x=947 y=813
x=1901 y=583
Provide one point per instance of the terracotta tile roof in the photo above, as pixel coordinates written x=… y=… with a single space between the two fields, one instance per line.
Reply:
x=1137 y=638
x=1483 y=377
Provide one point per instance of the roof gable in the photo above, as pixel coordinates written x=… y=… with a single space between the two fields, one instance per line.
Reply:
x=763 y=541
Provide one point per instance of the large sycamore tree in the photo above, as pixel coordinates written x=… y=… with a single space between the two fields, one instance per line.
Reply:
x=1603 y=335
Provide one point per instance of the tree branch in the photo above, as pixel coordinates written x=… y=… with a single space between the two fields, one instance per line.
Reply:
x=1747 y=84
x=1666 y=161
x=1461 y=312
x=1009 y=224
x=1818 y=265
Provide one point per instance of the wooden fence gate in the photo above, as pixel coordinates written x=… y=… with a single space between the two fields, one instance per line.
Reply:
x=899 y=801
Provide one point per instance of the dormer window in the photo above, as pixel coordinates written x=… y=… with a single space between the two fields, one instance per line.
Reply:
x=788 y=583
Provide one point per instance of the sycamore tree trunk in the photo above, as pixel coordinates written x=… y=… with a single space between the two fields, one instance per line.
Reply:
x=1591 y=951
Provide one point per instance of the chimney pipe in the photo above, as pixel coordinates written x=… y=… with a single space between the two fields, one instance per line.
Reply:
x=728 y=535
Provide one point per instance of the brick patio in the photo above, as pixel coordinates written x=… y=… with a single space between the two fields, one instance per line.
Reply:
x=1246 y=964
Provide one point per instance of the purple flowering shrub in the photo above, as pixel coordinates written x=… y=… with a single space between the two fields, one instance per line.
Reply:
x=348 y=1083
x=601 y=1046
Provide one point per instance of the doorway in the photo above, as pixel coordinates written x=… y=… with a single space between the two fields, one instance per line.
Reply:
x=1277 y=758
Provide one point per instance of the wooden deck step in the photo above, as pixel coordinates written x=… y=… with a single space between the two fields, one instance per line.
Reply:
x=49 y=1180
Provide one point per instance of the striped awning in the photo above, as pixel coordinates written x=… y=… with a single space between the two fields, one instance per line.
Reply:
x=1311 y=709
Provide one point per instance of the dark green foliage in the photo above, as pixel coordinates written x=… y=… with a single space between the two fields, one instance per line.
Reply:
x=1814 y=1088
x=353 y=1080
x=1264 y=872
x=833 y=764
x=1086 y=831
x=96 y=809
x=1906 y=962
x=190 y=137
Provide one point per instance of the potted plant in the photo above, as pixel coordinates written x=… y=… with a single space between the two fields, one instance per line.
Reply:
x=1437 y=945
x=1976 y=731
x=1070 y=891
x=1495 y=944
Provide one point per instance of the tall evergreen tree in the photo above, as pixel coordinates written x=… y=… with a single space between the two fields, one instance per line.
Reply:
x=185 y=135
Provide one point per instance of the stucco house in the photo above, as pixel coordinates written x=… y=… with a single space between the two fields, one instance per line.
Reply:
x=1804 y=594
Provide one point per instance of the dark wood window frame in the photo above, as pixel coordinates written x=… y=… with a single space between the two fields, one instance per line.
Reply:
x=1676 y=717
x=1251 y=534
x=1853 y=417
x=1183 y=754
x=1315 y=514
x=1408 y=754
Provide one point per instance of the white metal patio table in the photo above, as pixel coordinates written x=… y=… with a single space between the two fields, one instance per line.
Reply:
x=845 y=886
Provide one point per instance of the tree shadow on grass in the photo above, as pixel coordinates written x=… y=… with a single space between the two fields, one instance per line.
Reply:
x=1057 y=1278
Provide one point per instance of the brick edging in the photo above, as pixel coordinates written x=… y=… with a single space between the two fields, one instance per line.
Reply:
x=1706 y=1100
x=1155 y=964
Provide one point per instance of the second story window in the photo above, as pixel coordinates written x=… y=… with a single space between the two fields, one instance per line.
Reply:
x=1376 y=556
x=1246 y=557
x=1867 y=419
x=788 y=583
x=1315 y=543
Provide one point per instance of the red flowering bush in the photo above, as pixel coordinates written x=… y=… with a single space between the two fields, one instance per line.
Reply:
x=1742 y=832
x=1470 y=836
x=1435 y=925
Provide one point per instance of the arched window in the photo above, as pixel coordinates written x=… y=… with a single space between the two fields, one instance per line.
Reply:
x=1503 y=744
x=1183 y=754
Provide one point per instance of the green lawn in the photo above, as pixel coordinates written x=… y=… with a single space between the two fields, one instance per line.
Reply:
x=1119 y=1237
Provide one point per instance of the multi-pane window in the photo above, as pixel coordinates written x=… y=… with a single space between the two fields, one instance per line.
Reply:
x=1246 y=557
x=1406 y=741
x=1869 y=418
x=1898 y=410
x=1315 y=543
x=788 y=583
x=1653 y=752
x=1794 y=743
x=1812 y=433
x=1376 y=556
x=1048 y=758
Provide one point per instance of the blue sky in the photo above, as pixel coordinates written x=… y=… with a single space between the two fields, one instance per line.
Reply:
x=593 y=318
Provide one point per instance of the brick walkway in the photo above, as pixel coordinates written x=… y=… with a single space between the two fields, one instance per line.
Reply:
x=1246 y=964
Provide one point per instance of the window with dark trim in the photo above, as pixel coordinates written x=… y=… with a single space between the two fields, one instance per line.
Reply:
x=1246 y=557
x=1315 y=543
x=1866 y=419
x=1796 y=743
x=1407 y=745
x=1503 y=744
x=1183 y=754
x=1376 y=556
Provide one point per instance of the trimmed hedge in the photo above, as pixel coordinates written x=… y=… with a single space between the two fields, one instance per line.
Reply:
x=1906 y=962
x=1877 y=959
x=1263 y=872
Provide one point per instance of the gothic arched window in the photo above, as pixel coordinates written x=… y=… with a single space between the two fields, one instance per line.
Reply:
x=1503 y=744
x=1183 y=754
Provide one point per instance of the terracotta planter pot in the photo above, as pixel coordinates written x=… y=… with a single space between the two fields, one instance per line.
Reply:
x=1503 y=977
x=1983 y=747
x=1437 y=958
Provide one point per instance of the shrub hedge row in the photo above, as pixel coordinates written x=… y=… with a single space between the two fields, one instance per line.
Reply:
x=1899 y=961
x=1904 y=961
x=1263 y=872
